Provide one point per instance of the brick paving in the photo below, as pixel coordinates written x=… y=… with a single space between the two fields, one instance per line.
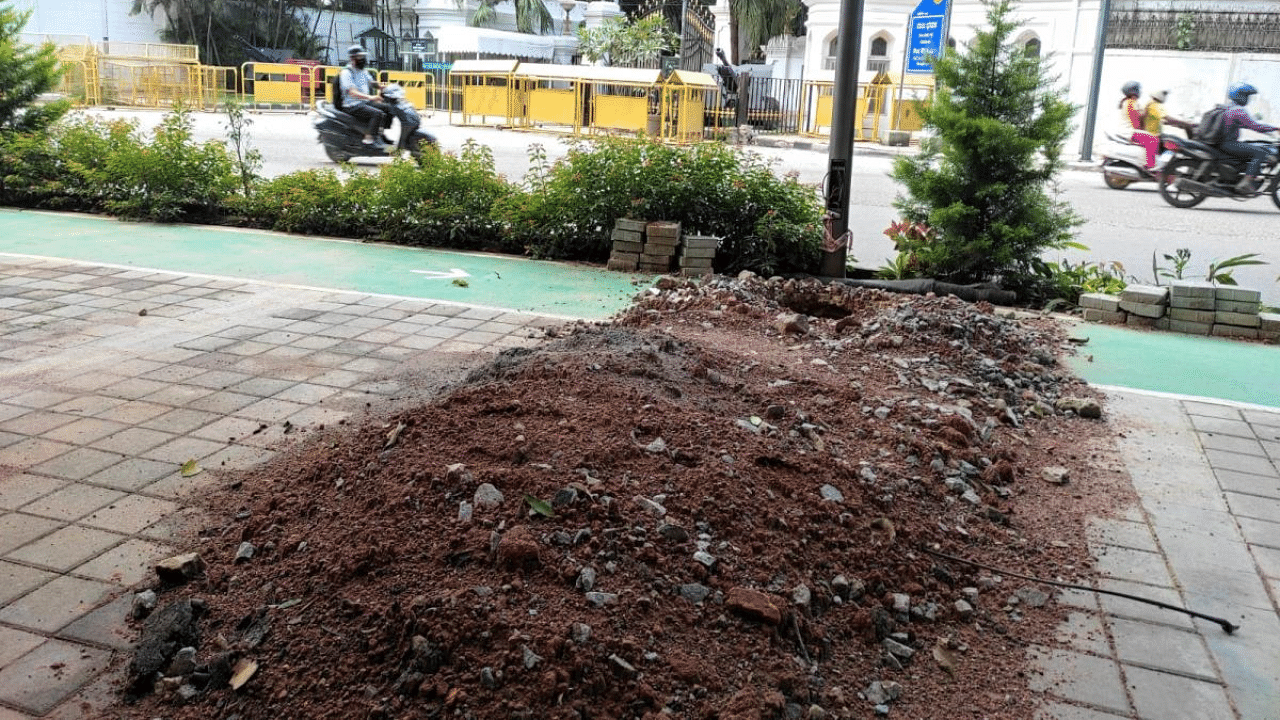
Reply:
x=111 y=379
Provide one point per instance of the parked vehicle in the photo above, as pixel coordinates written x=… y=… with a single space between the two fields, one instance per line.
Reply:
x=1125 y=162
x=1198 y=171
x=342 y=136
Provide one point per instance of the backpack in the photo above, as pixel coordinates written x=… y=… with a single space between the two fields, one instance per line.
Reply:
x=1212 y=128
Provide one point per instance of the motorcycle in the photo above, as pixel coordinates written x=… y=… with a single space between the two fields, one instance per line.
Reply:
x=1199 y=171
x=342 y=136
x=1125 y=163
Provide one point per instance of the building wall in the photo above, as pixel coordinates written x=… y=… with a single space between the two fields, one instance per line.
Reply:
x=98 y=19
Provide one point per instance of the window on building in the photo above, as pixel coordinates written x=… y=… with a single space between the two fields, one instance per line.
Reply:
x=878 y=57
x=951 y=43
x=1032 y=47
x=833 y=51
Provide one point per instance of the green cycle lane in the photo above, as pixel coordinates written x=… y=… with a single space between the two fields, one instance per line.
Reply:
x=480 y=279
x=1208 y=367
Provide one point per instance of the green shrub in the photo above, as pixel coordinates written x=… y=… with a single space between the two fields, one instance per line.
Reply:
x=443 y=200
x=31 y=172
x=768 y=224
x=313 y=202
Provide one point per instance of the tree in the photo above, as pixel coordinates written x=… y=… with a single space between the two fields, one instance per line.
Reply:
x=528 y=14
x=980 y=185
x=752 y=23
x=627 y=43
x=26 y=72
x=222 y=28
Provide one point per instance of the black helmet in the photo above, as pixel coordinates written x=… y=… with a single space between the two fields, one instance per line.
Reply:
x=1131 y=88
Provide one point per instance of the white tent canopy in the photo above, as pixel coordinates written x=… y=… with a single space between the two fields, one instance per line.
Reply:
x=487 y=41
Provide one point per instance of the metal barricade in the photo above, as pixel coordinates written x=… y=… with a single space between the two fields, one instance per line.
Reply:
x=419 y=87
x=274 y=83
x=685 y=96
x=217 y=85
x=484 y=90
x=773 y=105
x=151 y=51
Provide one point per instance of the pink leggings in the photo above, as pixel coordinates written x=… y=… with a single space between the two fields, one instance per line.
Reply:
x=1151 y=143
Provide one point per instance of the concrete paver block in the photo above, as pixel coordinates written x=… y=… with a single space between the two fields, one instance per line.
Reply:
x=56 y=604
x=1160 y=647
x=130 y=514
x=1240 y=462
x=1076 y=676
x=134 y=473
x=1193 y=303
x=1141 y=309
x=1117 y=606
x=18 y=529
x=1260 y=532
x=19 y=489
x=1100 y=301
x=126 y=564
x=1083 y=631
x=1104 y=316
x=1223 y=426
x=79 y=463
x=72 y=502
x=1109 y=531
x=1234 y=306
x=1144 y=295
x=1269 y=322
x=1203 y=317
x=65 y=548
x=104 y=626
x=1135 y=320
x=1159 y=696
x=1252 y=506
x=1232 y=444
x=1190 y=328
x=1062 y=711
x=1236 y=319
x=18 y=580
x=1248 y=483
x=1238 y=294
x=42 y=678
x=1136 y=565
x=1193 y=288
x=16 y=643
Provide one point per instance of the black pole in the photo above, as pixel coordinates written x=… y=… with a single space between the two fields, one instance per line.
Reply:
x=1091 y=110
x=840 y=152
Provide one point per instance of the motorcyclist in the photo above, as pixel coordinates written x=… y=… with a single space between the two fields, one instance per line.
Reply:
x=1235 y=118
x=1154 y=117
x=358 y=96
x=1131 y=122
x=394 y=96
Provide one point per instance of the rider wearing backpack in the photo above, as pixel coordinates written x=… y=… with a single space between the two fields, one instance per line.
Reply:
x=1235 y=118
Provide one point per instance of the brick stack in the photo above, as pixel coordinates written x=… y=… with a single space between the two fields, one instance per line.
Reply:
x=1191 y=307
x=1146 y=305
x=1100 y=307
x=1236 y=312
x=660 y=243
x=1269 y=326
x=697 y=252
x=628 y=244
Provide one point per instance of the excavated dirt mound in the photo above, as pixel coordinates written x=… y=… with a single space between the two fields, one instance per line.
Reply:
x=717 y=506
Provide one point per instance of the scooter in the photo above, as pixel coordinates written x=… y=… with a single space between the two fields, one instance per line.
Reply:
x=342 y=136
x=1125 y=163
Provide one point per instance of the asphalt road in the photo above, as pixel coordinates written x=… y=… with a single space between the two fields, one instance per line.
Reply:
x=1125 y=226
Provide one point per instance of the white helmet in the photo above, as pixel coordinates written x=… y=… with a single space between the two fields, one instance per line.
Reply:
x=1159 y=95
x=393 y=91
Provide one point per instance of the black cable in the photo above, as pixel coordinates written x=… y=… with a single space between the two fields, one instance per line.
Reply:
x=1226 y=626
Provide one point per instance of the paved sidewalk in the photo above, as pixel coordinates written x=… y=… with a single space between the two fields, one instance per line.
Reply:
x=112 y=378
x=1205 y=535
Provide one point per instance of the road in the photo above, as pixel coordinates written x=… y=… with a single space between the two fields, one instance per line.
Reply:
x=1125 y=226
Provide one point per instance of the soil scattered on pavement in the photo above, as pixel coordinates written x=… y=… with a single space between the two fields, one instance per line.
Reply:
x=717 y=506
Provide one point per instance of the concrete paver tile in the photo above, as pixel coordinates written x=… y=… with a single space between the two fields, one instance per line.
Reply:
x=1255 y=464
x=9 y=412
x=1076 y=676
x=419 y=342
x=1253 y=506
x=134 y=412
x=20 y=488
x=1082 y=599
x=381 y=336
x=1268 y=560
x=126 y=564
x=1185 y=549
x=1238 y=428
x=134 y=473
x=270 y=410
x=1124 y=607
x=1214 y=410
x=458 y=346
x=1272 y=448
x=18 y=580
x=1109 y=531
x=344 y=331
x=1167 y=514
x=65 y=547
x=238 y=457
x=228 y=429
x=92 y=700
x=181 y=421
x=1248 y=483
x=36 y=422
x=42 y=399
x=1260 y=532
x=1261 y=417
x=104 y=626
x=1232 y=444
x=1136 y=565
x=78 y=464
x=87 y=405
x=261 y=387
x=173 y=374
x=72 y=502
x=44 y=677
x=1083 y=631
x=133 y=441
x=57 y=604
x=315 y=342
x=217 y=379
x=130 y=514
x=84 y=430
x=177 y=395
x=439 y=331
x=1248 y=660
x=16 y=643
x=223 y=402
x=132 y=388
x=338 y=378
x=178 y=488
x=92 y=381
x=305 y=393
x=181 y=449
x=462 y=322
x=18 y=529
x=177 y=528
x=1161 y=647
x=1222 y=589
x=370 y=366
x=1159 y=696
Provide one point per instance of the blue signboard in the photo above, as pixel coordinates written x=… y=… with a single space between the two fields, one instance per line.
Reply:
x=926 y=37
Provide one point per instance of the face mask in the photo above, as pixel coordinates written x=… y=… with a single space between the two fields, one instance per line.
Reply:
x=360 y=63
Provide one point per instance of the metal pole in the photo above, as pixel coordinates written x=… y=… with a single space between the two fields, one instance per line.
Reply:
x=1091 y=110
x=840 y=153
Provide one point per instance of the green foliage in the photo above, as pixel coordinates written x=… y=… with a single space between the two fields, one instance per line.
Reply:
x=309 y=201
x=626 y=43
x=26 y=73
x=215 y=25
x=769 y=224
x=1219 y=272
x=31 y=172
x=1184 y=32
x=1063 y=281
x=914 y=241
x=754 y=22
x=248 y=160
x=532 y=16
x=982 y=182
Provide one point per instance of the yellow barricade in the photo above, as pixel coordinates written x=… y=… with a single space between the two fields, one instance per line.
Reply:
x=483 y=90
x=419 y=87
x=882 y=104
x=280 y=83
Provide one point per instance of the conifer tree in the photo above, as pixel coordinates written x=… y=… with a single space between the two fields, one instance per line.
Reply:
x=26 y=72
x=982 y=183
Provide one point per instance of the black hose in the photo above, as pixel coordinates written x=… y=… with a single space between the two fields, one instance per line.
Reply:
x=1226 y=626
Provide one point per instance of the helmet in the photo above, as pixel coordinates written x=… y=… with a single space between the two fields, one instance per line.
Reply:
x=1159 y=95
x=1240 y=92
x=356 y=51
x=1131 y=88
x=393 y=91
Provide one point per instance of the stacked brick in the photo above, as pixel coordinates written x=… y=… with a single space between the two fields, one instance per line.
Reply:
x=697 y=253
x=660 y=243
x=628 y=245
x=1187 y=307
